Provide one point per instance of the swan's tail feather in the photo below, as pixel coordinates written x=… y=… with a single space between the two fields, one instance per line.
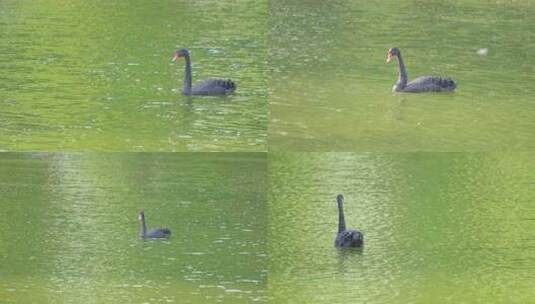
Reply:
x=227 y=84
x=447 y=83
x=230 y=85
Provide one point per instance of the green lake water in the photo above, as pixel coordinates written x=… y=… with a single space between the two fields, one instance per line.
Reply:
x=97 y=75
x=70 y=231
x=438 y=228
x=330 y=88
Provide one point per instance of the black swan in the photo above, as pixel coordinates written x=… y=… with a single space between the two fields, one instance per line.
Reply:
x=420 y=84
x=162 y=233
x=208 y=87
x=346 y=238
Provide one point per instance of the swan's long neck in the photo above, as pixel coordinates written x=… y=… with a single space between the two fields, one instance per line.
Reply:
x=187 y=76
x=341 y=219
x=402 y=79
x=143 y=228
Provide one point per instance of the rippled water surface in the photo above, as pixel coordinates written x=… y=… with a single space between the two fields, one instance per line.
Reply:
x=330 y=88
x=439 y=228
x=97 y=75
x=70 y=232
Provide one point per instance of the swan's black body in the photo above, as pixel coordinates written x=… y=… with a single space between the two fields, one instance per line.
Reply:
x=346 y=238
x=420 y=84
x=162 y=233
x=210 y=87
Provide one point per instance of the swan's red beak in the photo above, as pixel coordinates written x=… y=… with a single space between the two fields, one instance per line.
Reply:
x=389 y=57
x=176 y=56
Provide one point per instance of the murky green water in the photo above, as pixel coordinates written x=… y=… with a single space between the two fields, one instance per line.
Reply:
x=439 y=228
x=331 y=88
x=97 y=75
x=70 y=232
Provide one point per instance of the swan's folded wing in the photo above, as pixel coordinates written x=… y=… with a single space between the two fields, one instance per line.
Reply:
x=214 y=87
x=159 y=233
x=349 y=238
x=354 y=235
x=431 y=84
